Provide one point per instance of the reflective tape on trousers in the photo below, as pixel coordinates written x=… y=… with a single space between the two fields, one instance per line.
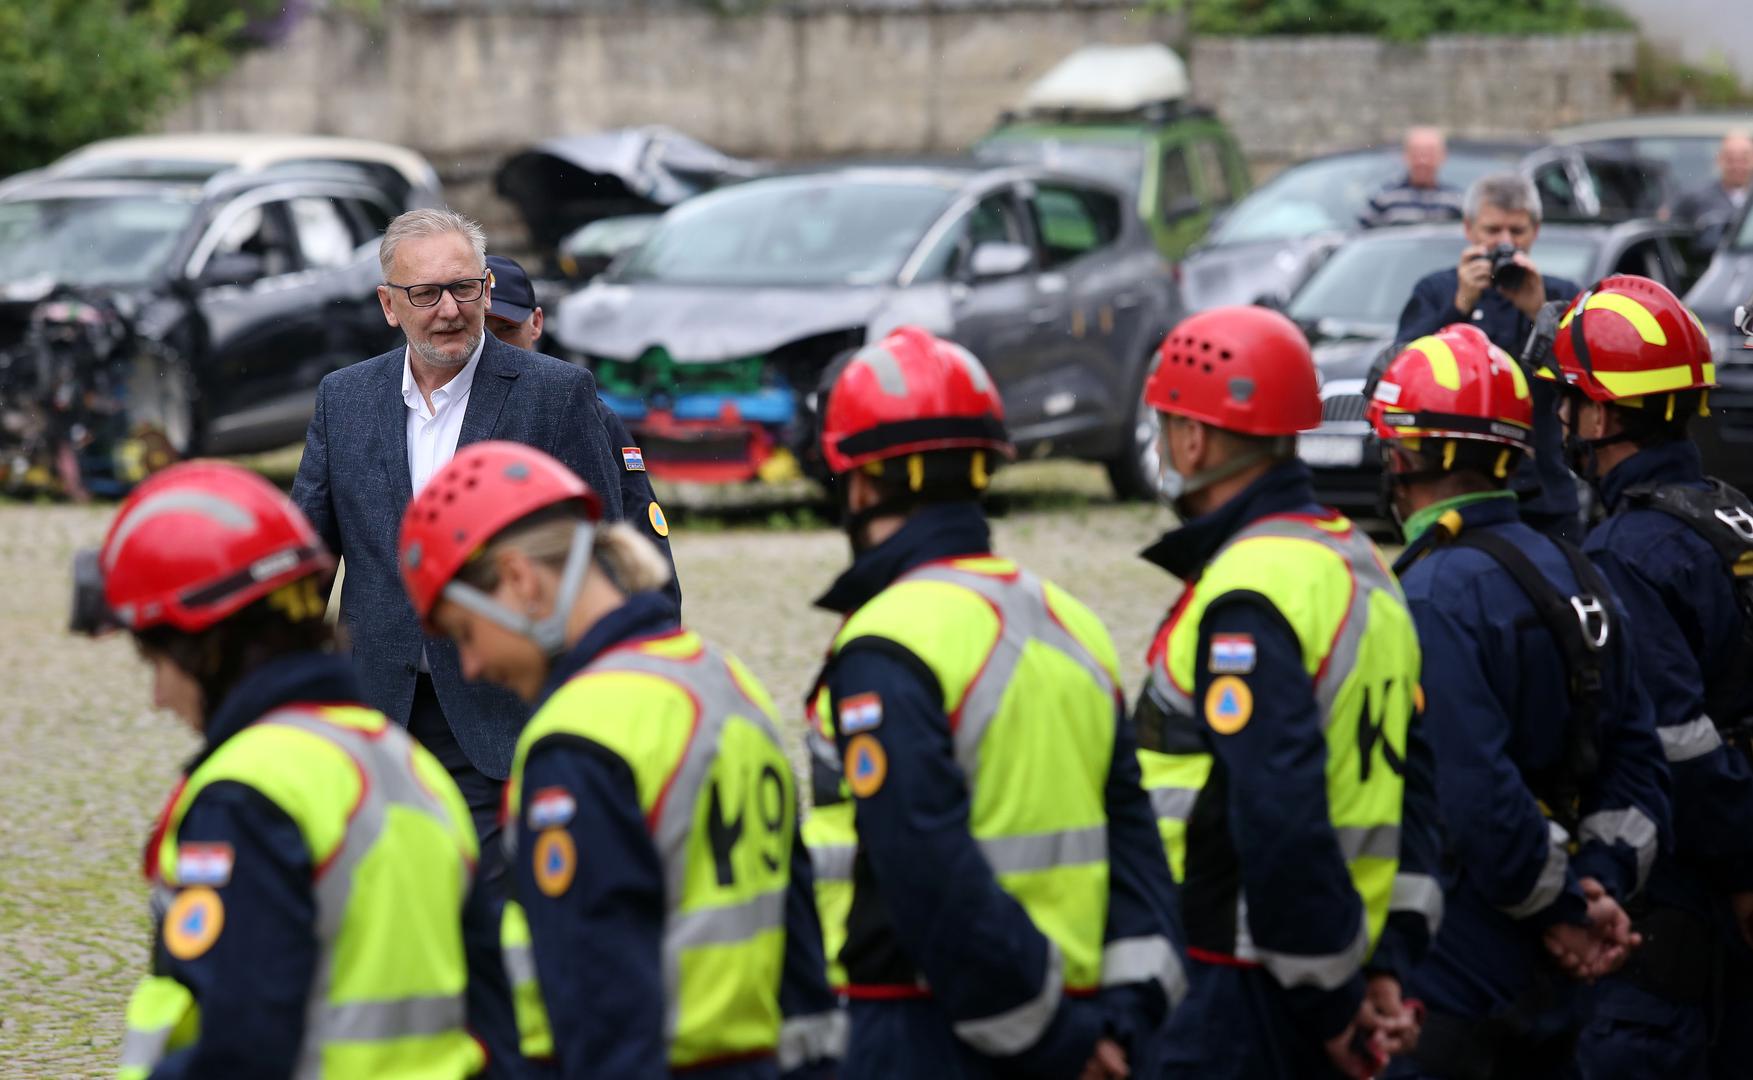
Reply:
x=1015 y=1030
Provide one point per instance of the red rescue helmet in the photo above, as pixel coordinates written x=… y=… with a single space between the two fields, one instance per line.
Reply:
x=1242 y=369
x=1629 y=337
x=486 y=487
x=1454 y=384
x=200 y=541
x=910 y=393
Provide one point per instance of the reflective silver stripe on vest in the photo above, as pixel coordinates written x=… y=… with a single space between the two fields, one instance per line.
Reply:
x=520 y=964
x=144 y=1048
x=1024 y=616
x=1368 y=842
x=1015 y=1030
x=1325 y=971
x=1176 y=701
x=1145 y=959
x=833 y=862
x=1695 y=738
x=386 y=761
x=1172 y=803
x=1368 y=576
x=1045 y=851
x=1630 y=827
x=1418 y=894
x=708 y=677
x=816 y=1037
x=1551 y=880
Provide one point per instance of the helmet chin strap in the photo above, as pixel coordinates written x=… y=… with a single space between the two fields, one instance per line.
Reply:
x=1204 y=478
x=549 y=632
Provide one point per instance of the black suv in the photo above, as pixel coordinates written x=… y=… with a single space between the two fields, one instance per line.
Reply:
x=169 y=317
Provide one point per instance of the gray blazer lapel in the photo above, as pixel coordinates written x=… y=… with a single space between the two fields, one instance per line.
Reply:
x=392 y=422
x=487 y=396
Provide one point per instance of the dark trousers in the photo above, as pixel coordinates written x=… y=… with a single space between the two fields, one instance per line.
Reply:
x=489 y=990
x=427 y=723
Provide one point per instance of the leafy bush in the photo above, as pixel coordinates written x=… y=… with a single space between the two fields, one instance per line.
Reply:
x=1397 y=20
x=76 y=70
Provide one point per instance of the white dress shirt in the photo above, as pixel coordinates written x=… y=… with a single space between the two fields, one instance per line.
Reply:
x=433 y=432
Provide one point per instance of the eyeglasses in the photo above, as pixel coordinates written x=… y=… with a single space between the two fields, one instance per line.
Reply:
x=465 y=291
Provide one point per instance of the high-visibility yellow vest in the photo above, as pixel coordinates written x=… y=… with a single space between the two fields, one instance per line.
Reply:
x=831 y=836
x=700 y=736
x=376 y=811
x=1360 y=649
x=1029 y=678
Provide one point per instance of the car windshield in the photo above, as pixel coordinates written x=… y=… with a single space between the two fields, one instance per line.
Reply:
x=1367 y=282
x=1329 y=195
x=1118 y=161
x=804 y=231
x=1744 y=235
x=1691 y=160
x=113 y=240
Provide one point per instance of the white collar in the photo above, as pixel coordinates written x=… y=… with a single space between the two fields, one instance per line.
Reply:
x=457 y=387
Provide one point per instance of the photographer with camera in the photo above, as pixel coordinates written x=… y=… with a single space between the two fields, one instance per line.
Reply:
x=1497 y=288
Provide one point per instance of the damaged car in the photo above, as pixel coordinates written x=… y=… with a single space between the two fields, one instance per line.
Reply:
x=710 y=340
x=145 y=319
x=587 y=198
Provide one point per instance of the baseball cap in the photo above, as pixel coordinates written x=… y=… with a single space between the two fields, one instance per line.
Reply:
x=513 y=297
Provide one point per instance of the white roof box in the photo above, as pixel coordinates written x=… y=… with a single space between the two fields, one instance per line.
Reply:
x=1110 y=79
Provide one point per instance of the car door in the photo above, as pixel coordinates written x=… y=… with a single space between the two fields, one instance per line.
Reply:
x=1082 y=373
x=263 y=323
x=1004 y=319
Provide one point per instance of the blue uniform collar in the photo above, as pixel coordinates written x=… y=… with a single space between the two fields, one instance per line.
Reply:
x=645 y=614
x=936 y=531
x=1483 y=514
x=306 y=677
x=1669 y=463
x=1286 y=488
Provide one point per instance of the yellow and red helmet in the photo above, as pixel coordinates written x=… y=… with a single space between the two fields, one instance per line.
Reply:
x=1454 y=384
x=1629 y=337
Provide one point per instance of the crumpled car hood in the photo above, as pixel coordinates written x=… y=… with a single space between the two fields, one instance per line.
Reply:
x=706 y=324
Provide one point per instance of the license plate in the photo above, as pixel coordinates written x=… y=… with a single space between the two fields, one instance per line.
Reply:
x=1330 y=451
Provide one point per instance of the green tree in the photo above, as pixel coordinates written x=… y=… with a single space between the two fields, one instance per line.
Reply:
x=76 y=70
x=1398 y=20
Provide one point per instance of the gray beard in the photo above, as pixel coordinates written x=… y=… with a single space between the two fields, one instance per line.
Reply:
x=438 y=359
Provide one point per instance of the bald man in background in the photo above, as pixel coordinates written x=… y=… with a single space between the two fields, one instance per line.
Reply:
x=1710 y=210
x=1419 y=195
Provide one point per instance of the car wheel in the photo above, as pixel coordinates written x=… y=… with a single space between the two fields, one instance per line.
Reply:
x=1134 y=472
x=162 y=409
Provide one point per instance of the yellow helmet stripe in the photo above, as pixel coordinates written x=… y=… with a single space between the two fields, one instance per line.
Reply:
x=1633 y=312
x=1518 y=379
x=1625 y=384
x=1443 y=367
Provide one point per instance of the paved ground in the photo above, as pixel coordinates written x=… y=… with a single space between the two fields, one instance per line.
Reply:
x=85 y=763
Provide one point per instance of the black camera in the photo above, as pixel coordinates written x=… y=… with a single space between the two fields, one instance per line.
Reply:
x=1507 y=274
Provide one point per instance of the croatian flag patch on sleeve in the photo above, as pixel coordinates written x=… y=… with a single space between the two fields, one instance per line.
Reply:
x=551 y=807
x=204 y=864
x=633 y=458
x=1232 y=654
x=861 y=712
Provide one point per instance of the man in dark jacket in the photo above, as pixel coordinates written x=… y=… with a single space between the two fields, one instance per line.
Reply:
x=1505 y=209
x=382 y=428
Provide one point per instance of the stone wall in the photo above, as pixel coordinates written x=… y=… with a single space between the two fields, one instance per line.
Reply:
x=1287 y=98
x=469 y=81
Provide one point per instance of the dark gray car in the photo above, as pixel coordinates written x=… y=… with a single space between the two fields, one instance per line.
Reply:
x=1351 y=306
x=711 y=338
x=1726 y=285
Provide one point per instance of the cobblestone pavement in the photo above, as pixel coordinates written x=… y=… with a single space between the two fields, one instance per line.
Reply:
x=85 y=762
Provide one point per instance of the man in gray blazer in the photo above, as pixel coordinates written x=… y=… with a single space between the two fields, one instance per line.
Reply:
x=382 y=428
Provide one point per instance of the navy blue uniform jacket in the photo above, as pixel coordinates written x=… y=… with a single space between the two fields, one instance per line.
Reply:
x=1300 y=897
x=353 y=484
x=599 y=944
x=1496 y=704
x=970 y=940
x=1548 y=492
x=253 y=984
